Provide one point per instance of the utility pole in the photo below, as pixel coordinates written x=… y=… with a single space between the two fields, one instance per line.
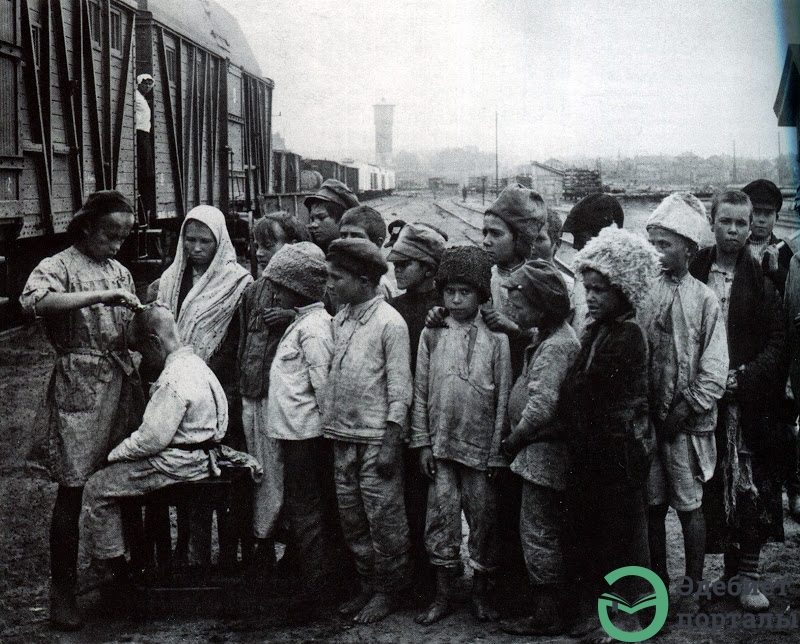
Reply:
x=496 y=159
x=733 y=177
x=779 y=165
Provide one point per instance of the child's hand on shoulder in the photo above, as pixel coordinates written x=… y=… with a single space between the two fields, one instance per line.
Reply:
x=436 y=318
x=276 y=316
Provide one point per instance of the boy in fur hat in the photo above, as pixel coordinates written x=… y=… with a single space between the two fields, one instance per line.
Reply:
x=688 y=371
x=367 y=401
x=460 y=398
x=416 y=254
x=604 y=402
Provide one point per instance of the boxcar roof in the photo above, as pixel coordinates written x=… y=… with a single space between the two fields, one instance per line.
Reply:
x=209 y=25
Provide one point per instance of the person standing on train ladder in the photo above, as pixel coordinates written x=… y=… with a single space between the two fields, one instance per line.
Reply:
x=145 y=162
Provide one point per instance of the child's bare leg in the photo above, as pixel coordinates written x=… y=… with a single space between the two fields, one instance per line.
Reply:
x=441 y=606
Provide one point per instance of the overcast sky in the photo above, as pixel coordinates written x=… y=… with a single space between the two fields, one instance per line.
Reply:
x=567 y=77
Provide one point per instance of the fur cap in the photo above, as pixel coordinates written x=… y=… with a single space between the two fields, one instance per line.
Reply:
x=468 y=265
x=626 y=259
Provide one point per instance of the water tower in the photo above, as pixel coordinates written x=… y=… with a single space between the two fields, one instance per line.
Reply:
x=384 y=118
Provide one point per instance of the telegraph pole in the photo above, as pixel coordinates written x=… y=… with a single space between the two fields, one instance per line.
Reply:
x=496 y=159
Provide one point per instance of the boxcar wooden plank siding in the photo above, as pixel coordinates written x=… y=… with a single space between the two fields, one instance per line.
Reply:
x=75 y=130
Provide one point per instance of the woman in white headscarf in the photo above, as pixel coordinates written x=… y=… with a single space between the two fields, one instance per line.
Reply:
x=202 y=287
x=204 y=284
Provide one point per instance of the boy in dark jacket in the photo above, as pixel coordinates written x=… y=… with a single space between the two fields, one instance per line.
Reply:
x=742 y=503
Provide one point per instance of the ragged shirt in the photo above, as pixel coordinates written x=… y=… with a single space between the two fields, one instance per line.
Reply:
x=533 y=403
x=461 y=393
x=187 y=407
x=688 y=348
x=370 y=379
x=299 y=375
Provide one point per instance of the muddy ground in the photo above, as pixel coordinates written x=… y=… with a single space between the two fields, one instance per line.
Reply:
x=250 y=612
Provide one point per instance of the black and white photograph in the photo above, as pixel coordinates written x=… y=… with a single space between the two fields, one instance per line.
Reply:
x=358 y=321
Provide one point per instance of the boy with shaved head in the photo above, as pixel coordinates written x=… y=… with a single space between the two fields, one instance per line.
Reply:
x=186 y=416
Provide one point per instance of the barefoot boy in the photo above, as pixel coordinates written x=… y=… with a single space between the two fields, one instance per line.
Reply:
x=369 y=393
x=688 y=370
x=460 y=398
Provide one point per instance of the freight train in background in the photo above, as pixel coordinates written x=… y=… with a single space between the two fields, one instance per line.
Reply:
x=68 y=69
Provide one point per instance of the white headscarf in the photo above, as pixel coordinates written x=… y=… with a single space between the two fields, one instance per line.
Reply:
x=210 y=304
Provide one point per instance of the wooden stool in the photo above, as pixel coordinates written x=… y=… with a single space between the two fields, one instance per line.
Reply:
x=150 y=541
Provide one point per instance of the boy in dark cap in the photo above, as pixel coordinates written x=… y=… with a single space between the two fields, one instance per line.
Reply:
x=416 y=254
x=775 y=256
x=460 y=397
x=367 y=401
x=363 y=222
x=772 y=253
x=325 y=209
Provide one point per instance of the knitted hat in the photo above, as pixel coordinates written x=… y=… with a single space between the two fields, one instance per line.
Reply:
x=523 y=211
x=764 y=194
x=357 y=256
x=418 y=242
x=333 y=191
x=543 y=286
x=301 y=268
x=683 y=214
x=626 y=260
x=468 y=265
x=593 y=213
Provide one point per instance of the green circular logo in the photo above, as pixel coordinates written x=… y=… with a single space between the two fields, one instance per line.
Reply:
x=659 y=598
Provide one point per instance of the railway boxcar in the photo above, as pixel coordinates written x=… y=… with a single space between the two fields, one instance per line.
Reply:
x=68 y=70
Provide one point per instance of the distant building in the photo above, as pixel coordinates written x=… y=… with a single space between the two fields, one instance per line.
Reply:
x=547 y=181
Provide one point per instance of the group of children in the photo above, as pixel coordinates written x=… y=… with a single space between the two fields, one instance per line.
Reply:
x=471 y=392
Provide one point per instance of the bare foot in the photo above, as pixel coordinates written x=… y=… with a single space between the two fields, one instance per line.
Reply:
x=437 y=610
x=381 y=605
x=352 y=606
x=483 y=610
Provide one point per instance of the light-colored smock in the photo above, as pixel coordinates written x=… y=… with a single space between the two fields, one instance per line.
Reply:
x=187 y=407
x=299 y=374
x=685 y=329
x=461 y=393
x=370 y=379
x=94 y=395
